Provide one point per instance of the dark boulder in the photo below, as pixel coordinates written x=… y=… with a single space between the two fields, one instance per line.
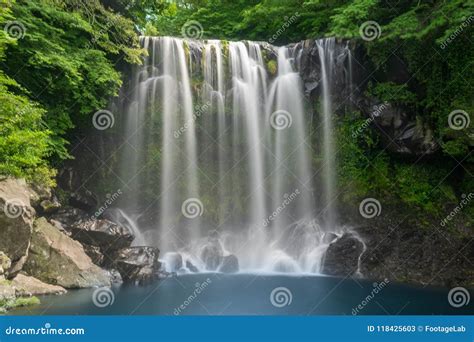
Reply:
x=342 y=256
x=190 y=266
x=212 y=254
x=105 y=234
x=94 y=253
x=138 y=265
x=84 y=200
x=230 y=264
x=69 y=216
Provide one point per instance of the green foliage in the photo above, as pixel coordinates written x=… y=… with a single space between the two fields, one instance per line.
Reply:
x=366 y=170
x=19 y=302
x=393 y=93
x=56 y=76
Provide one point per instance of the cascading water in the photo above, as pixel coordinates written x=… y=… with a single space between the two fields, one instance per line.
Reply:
x=217 y=155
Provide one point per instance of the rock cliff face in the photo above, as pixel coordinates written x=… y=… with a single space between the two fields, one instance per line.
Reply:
x=57 y=259
x=65 y=248
x=401 y=131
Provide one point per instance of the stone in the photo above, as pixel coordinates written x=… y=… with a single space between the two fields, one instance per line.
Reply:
x=173 y=261
x=84 y=200
x=342 y=256
x=5 y=264
x=68 y=216
x=212 y=254
x=95 y=254
x=26 y=286
x=57 y=259
x=230 y=264
x=190 y=266
x=115 y=276
x=107 y=235
x=16 y=222
x=7 y=292
x=138 y=265
x=49 y=206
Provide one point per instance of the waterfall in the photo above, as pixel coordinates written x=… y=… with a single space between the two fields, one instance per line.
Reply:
x=217 y=156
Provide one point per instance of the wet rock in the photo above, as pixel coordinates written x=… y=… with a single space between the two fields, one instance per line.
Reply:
x=190 y=266
x=7 y=293
x=49 y=206
x=5 y=264
x=105 y=234
x=212 y=255
x=16 y=222
x=115 y=276
x=95 y=254
x=26 y=286
x=69 y=216
x=83 y=199
x=230 y=264
x=342 y=256
x=138 y=265
x=173 y=261
x=403 y=132
x=57 y=259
